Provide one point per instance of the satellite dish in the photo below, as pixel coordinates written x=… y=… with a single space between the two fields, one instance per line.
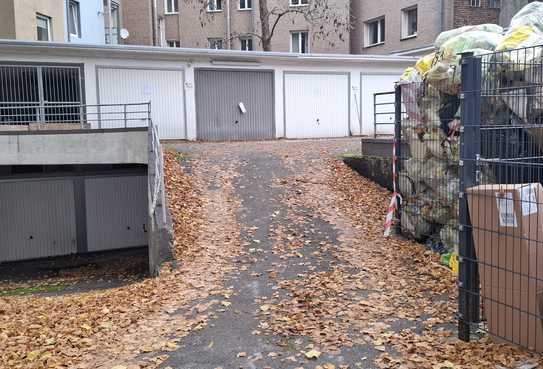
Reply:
x=124 y=33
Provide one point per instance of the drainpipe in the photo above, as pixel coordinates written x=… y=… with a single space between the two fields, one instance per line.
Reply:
x=228 y=26
x=154 y=16
x=442 y=17
x=110 y=22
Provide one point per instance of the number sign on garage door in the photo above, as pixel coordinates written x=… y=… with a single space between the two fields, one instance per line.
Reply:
x=234 y=105
x=316 y=105
x=164 y=88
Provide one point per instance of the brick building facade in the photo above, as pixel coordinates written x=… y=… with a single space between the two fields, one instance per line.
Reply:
x=405 y=27
x=488 y=11
x=234 y=24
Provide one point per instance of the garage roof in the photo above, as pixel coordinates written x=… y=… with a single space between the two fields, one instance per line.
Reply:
x=186 y=54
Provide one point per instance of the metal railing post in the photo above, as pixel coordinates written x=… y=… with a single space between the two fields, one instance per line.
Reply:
x=397 y=142
x=374 y=115
x=470 y=149
x=125 y=122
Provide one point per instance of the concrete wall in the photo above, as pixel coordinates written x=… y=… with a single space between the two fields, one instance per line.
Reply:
x=95 y=147
x=7 y=20
x=92 y=22
x=430 y=24
x=25 y=18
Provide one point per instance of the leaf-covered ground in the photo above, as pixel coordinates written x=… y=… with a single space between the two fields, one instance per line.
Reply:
x=279 y=263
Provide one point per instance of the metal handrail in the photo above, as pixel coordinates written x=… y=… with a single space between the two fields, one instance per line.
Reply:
x=73 y=115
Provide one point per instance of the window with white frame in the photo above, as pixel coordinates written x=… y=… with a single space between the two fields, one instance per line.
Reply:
x=215 y=43
x=74 y=19
x=299 y=2
x=494 y=4
x=172 y=6
x=299 y=42
x=475 y=3
x=374 y=32
x=246 y=44
x=214 y=5
x=245 y=4
x=409 y=22
x=43 y=27
x=173 y=43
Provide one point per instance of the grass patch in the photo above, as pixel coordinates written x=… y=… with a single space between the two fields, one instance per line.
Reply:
x=21 y=291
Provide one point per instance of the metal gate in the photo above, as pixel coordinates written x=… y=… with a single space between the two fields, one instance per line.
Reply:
x=33 y=93
x=474 y=168
x=234 y=105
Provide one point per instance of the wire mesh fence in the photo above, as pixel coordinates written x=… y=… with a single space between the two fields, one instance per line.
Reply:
x=471 y=184
x=428 y=171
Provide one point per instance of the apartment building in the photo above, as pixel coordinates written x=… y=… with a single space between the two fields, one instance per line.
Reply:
x=409 y=27
x=77 y=21
x=233 y=24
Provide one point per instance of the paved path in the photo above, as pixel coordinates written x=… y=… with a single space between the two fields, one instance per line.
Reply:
x=286 y=241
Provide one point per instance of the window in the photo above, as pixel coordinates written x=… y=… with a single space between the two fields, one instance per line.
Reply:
x=475 y=3
x=494 y=4
x=172 y=6
x=246 y=44
x=43 y=28
x=214 y=6
x=74 y=19
x=215 y=43
x=299 y=2
x=375 y=32
x=245 y=4
x=173 y=43
x=299 y=42
x=409 y=22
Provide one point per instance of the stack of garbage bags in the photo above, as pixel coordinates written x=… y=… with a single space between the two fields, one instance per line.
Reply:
x=429 y=174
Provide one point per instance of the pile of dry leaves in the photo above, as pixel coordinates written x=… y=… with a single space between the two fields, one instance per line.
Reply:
x=100 y=329
x=399 y=299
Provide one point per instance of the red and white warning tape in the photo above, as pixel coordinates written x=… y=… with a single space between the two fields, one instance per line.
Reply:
x=396 y=197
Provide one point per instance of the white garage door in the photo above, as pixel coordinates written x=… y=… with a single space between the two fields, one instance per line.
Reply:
x=164 y=88
x=316 y=105
x=371 y=85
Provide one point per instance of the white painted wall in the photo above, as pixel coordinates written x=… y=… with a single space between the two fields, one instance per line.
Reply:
x=92 y=22
x=365 y=78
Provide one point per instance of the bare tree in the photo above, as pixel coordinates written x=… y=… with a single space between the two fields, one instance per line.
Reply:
x=328 y=20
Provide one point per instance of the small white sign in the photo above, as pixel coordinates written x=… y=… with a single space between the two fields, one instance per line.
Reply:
x=147 y=90
x=506 y=209
x=528 y=200
x=242 y=108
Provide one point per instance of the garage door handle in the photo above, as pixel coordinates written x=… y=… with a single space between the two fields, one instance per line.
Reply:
x=318 y=121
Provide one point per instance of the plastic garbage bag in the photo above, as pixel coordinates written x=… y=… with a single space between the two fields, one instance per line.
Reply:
x=406 y=185
x=519 y=51
x=435 y=212
x=447 y=35
x=470 y=41
x=413 y=224
x=530 y=15
x=523 y=36
x=410 y=75
x=425 y=63
x=449 y=235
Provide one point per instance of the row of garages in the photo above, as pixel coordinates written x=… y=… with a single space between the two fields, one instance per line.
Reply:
x=219 y=95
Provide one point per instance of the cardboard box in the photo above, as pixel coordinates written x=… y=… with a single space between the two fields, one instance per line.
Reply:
x=507 y=225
